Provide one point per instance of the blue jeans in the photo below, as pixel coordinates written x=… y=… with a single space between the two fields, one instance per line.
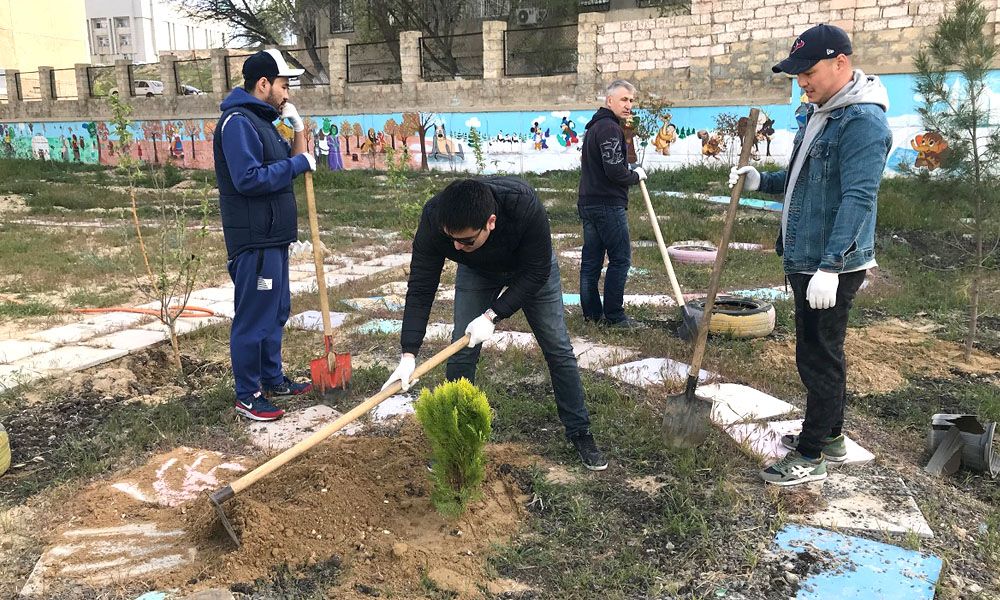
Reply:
x=605 y=231
x=262 y=301
x=475 y=291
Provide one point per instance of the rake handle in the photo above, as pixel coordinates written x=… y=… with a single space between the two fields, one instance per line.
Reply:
x=720 y=256
x=663 y=247
x=223 y=494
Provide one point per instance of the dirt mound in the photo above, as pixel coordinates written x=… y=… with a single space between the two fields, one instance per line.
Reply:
x=880 y=358
x=362 y=503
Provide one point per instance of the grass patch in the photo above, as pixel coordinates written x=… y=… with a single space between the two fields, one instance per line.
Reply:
x=26 y=309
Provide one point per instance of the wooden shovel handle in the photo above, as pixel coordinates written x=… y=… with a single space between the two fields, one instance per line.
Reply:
x=663 y=247
x=720 y=257
x=324 y=302
x=327 y=430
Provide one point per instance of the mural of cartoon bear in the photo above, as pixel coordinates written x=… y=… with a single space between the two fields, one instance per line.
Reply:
x=929 y=145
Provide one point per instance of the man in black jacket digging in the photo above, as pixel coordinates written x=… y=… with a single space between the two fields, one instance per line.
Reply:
x=604 y=182
x=498 y=232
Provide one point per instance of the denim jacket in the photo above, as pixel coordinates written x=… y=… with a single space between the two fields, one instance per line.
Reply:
x=831 y=215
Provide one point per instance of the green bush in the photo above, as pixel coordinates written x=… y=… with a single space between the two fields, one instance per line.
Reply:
x=456 y=419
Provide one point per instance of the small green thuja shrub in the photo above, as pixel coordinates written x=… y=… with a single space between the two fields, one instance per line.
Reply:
x=456 y=419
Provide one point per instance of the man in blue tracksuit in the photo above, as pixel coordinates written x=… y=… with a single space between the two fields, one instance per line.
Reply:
x=254 y=167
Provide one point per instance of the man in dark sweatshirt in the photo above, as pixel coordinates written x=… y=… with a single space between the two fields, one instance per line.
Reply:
x=604 y=181
x=497 y=231
x=254 y=167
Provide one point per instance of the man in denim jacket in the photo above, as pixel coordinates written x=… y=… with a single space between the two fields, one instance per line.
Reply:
x=827 y=240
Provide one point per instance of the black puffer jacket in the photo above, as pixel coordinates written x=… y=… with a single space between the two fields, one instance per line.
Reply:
x=604 y=172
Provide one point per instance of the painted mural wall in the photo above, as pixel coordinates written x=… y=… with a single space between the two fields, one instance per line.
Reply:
x=513 y=142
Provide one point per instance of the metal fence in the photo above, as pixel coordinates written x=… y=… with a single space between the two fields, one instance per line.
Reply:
x=63 y=84
x=144 y=80
x=29 y=87
x=315 y=62
x=234 y=70
x=585 y=6
x=451 y=57
x=374 y=62
x=100 y=81
x=539 y=52
x=193 y=76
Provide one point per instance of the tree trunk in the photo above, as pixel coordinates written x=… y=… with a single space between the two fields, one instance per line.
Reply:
x=423 y=148
x=977 y=277
x=176 y=348
x=192 y=148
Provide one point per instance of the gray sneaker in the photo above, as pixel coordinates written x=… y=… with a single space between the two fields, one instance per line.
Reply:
x=794 y=469
x=834 y=448
x=627 y=324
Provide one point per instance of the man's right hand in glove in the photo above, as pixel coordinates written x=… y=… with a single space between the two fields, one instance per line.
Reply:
x=402 y=374
x=752 y=182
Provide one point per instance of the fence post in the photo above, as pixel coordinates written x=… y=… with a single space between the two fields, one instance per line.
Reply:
x=82 y=81
x=587 y=73
x=45 y=84
x=493 y=51
x=13 y=86
x=219 y=83
x=168 y=74
x=122 y=80
x=338 y=69
x=409 y=56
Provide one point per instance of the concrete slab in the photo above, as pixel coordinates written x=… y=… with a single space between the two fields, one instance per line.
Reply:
x=629 y=299
x=393 y=406
x=213 y=294
x=654 y=371
x=389 y=261
x=128 y=340
x=116 y=321
x=69 y=358
x=871 y=503
x=735 y=403
x=312 y=320
x=294 y=427
x=66 y=334
x=764 y=440
x=359 y=269
x=392 y=303
x=502 y=340
x=181 y=475
x=185 y=325
x=381 y=326
x=14 y=350
x=301 y=275
x=436 y=331
x=397 y=288
x=860 y=569
x=13 y=376
x=771 y=294
x=222 y=309
x=597 y=356
x=110 y=555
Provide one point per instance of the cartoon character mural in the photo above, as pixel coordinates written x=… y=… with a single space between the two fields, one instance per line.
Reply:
x=759 y=136
x=666 y=135
x=445 y=148
x=629 y=129
x=712 y=144
x=929 y=145
x=538 y=138
x=567 y=134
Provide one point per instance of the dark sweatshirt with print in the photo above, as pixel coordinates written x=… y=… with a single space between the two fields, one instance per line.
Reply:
x=604 y=172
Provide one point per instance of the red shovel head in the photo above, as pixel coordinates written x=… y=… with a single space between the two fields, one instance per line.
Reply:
x=330 y=372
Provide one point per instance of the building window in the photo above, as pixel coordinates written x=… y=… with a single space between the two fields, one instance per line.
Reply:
x=124 y=40
x=103 y=41
x=98 y=24
x=341 y=20
x=122 y=23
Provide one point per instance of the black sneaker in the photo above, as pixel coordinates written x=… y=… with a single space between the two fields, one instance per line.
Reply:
x=626 y=324
x=287 y=388
x=589 y=453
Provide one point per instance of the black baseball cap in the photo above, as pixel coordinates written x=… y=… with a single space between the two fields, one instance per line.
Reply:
x=815 y=44
x=268 y=63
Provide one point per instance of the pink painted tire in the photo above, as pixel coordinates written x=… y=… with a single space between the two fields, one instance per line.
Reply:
x=692 y=253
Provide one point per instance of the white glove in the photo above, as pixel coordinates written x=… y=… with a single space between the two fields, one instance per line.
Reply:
x=640 y=172
x=402 y=374
x=311 y=160
x=752 y=182
x=821 y=292
x=292 y=114
x=479 y=330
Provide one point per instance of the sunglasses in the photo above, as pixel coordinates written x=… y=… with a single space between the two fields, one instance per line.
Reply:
x=466 y=241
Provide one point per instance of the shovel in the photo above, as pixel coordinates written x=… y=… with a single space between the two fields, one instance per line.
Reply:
x=222 y=495
x=686 y=416
x=690 y=326
x=332 y=371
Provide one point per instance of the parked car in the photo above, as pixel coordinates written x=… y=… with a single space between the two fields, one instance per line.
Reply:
x=144 y=87
x=190 y=90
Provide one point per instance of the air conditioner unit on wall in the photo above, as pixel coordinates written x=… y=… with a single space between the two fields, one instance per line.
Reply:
x=528 y=16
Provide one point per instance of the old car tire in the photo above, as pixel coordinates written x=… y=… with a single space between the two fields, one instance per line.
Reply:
x=736 y=316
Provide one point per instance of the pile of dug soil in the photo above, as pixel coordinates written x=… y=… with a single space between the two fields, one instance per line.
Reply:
x=881 y=357
x=361 y=503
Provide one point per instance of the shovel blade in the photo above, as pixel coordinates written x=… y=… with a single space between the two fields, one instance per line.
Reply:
x=686 y=420
x=331 y=372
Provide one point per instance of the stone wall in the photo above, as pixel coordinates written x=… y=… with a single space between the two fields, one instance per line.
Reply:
x=720 y=54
